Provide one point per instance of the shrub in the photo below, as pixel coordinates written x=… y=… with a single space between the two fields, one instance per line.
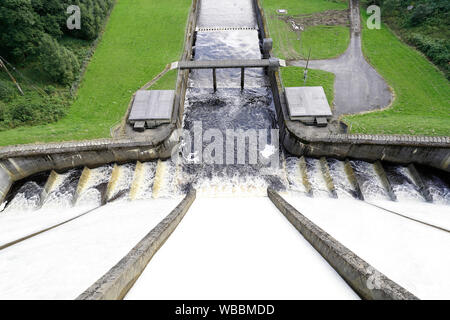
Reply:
x=2 y=112
x=57 y=61
x=437 y=50
x=7 y=93
x=32 y=109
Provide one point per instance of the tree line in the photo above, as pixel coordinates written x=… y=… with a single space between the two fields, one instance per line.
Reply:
x=424 y=24
x=31 y=29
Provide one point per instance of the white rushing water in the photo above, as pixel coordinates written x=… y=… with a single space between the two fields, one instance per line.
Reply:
x=242 y=248
x=410 y=253
x=62 y=263
x=62 y=192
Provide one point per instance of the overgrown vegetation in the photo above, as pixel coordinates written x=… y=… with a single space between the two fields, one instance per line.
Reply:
x=141 y=37
x=44 y=56
x=424 y=24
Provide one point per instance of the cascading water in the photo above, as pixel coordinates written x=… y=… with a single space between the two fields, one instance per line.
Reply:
x=342 y=184
x=249 y=114
x=439 y=189
x=402 y=183
x=28 y=198
x=62 y=191
x=369 y=180
x=316 y=178
x=92 y=185
x=120 y=182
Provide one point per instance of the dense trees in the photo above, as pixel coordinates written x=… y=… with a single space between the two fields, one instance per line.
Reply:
x=35 y=38
x=26 y=26
x=57 y=61
x=424 y=24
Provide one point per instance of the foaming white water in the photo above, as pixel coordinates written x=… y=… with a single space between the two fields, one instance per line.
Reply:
x=294 y=175
x=403 y=184
x=243 y=44
x=316 y=178
x=90 y=189
x=227 y=13
x=63 y=190
x=438 y=189
x=27 y=199
x=143 y=181
x=432 y=213
x=408 y=252
x=344 y=188
x=62 y=263
x=242 y=248
x=234 y=187
x=120 y=182
x=166 y=181
x=17 y=226
x=370 y=182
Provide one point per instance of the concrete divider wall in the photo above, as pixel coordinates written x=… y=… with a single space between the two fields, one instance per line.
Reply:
x=367 y=282
x=183 y=75
x=116 y=283
x=302 y=140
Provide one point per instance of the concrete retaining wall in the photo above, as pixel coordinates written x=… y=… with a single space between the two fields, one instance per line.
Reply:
x=183 y=75
x=367 y=282
x=115 y=284
x=19 y=162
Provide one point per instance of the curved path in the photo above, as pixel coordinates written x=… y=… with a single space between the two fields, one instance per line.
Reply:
x=358 y=87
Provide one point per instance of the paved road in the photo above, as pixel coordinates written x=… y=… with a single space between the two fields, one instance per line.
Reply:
x=358 y=86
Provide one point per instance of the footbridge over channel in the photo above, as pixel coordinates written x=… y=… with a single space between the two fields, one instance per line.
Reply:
x=270 y=63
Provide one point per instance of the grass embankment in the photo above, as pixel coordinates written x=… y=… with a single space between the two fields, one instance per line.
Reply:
x=290 y=45
x=293 y=77
x=422 y=103
x=141 y=37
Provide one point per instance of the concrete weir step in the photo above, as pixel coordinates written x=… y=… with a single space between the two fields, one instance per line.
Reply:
x=379 y=169
x=51 y=184
x=82 y=184
x=305 y=178
x=350 y=172
x=424 y=190
x=137 y=180
x=120 y=183
x=327 y=176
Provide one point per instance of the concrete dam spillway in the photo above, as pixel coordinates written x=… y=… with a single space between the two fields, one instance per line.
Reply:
x=233 y=243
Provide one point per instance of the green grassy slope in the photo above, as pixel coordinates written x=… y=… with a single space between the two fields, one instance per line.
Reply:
x=141 y=37
x=422 y=104
x=286 y=43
